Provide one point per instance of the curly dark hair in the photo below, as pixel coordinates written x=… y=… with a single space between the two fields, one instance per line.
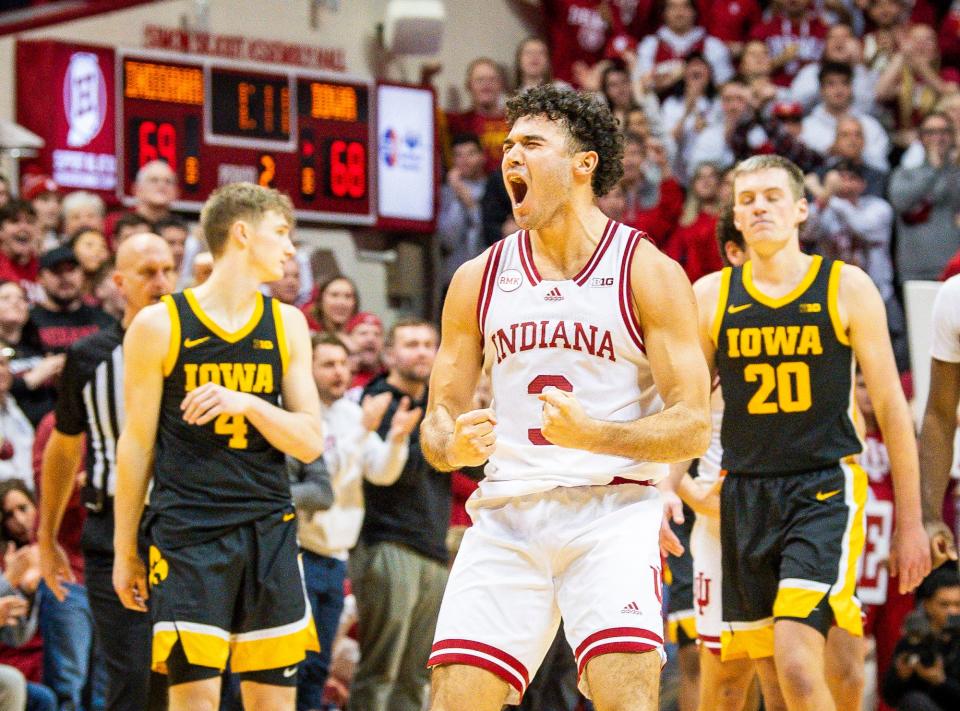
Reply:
x=589 y=123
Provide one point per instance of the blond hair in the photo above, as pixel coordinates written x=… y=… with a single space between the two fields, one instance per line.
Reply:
x=754 y=164
x=239 y=201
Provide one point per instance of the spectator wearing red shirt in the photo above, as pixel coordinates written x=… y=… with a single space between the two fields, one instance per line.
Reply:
x=578 y=32
x=486 y=117
x=637 y=18
x=694 y=244
x=19 y=246
x=949 y=38
x=795 y=37
x=44 y=194
x=654 y=199
x=365 y=333
x=21 y=573
x=334 y=303
x=730 y=20
x=664 y=53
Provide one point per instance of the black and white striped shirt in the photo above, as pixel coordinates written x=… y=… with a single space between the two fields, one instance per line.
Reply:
x=91 y=402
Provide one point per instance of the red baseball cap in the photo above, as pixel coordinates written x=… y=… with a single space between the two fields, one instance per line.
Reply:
x=788 y=109
x=34 y=185
x=364 y=317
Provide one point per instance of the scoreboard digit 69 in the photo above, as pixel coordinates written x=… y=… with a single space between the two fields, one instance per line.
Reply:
x=306 y=133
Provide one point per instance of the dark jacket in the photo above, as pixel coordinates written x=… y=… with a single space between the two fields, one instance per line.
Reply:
x=415 y=510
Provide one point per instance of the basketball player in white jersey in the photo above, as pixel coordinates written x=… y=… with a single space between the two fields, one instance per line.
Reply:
x=598 y=380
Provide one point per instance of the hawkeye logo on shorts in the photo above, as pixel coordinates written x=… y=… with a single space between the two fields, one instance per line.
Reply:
x=823 y=496
x=158 y=567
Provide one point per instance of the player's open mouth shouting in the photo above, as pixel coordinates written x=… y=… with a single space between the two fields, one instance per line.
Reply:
x=518 y=188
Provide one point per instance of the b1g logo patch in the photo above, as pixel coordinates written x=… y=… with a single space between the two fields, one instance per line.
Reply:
x=509 y=280
x=600 y=282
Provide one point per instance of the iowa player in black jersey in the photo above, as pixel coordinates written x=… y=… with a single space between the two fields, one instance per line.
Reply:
x=783 y=332
x=204 y=376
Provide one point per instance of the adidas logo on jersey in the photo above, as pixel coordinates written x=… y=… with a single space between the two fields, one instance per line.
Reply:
x=554 y=295
x=631 y=609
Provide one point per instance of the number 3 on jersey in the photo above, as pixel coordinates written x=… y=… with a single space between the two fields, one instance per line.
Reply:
x=537 y=386
x=233 y=426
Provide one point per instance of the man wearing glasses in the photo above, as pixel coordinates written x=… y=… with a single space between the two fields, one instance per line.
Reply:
x=926 y=202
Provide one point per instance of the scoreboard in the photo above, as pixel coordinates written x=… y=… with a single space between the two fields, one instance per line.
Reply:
x=306 y=133
x=346 y=150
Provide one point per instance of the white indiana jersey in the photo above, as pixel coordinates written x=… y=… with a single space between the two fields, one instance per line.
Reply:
x=580 y=335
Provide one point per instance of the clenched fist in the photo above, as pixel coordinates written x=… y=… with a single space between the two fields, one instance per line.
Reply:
x=564 y=421
x=473 y=438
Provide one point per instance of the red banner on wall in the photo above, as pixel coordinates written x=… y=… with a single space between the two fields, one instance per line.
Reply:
x=66 y=95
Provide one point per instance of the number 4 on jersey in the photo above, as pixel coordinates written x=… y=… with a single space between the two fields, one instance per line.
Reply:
x=235 y=427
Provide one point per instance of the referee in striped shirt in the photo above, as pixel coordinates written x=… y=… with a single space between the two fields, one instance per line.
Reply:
x=91 y=402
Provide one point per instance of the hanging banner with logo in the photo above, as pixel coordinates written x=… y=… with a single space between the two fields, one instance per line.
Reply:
x=65 y=94
x=407 y=159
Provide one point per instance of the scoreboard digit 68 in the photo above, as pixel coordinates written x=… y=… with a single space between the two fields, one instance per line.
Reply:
x=215 y=121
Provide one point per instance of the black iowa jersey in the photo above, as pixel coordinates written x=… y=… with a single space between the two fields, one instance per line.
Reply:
x=225 y=473
x=786 y=368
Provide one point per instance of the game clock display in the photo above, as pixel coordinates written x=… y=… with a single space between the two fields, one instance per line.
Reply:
x=305 y=133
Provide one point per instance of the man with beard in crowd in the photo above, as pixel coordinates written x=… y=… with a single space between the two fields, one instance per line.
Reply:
x=62 y=318
x=365 y=333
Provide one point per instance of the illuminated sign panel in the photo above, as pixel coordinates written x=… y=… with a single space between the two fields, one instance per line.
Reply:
x=160 y=82
x=215 y=121
x=104 y=113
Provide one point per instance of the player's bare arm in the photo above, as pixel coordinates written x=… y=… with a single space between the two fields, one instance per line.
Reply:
x=936 y=455
x=453 y=434
x=707 y=293
x=142 y=394
x=61 y=459
x=864 y=316
x=668 y=315
x=294 y=429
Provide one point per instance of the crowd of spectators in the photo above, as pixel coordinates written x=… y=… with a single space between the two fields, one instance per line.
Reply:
x=864 y=95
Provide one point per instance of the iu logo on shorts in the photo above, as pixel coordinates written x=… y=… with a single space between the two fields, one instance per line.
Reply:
x=702 y=589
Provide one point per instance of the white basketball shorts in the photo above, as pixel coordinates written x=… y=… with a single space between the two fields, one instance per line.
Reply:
x=587 y=554
x=707 y=581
